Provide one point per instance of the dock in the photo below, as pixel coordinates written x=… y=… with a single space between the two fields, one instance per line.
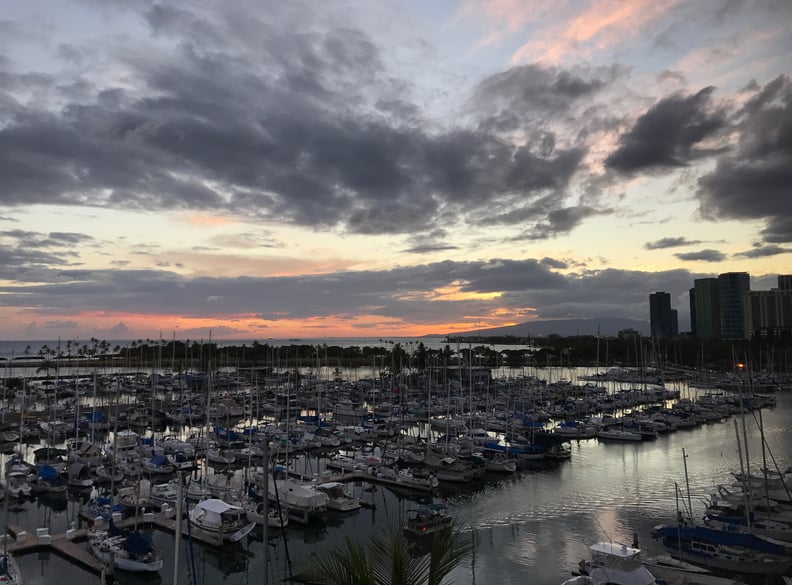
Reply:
x=64 y=544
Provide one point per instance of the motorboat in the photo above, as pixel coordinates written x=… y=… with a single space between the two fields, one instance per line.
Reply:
x=427 y=519
x=131 y=551
x=411 y=478
x=219 y=521
x=163 y=493
x=302 y=500
x=17 y=484
x=618 y=435
x=612 y=563
x=338 y=497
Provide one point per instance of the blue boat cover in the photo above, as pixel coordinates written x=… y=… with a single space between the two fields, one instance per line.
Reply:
x=226 y=434
x=158 y=460
x=713 y=536
x=137 y=543
x=47 y=472
x=94 y=416
x=112 y=529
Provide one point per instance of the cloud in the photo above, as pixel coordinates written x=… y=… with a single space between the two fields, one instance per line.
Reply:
x=754 y=182
x=275 y=127
x=669 y=134
x=763 y=252
x=560 y=221
x=120 y=329
x=428 y=248
x=663 y=243
x=487 y=292
x=553 y=263
x=595 y=25
x=527 y=90
x=707 y=255
x=61 y=324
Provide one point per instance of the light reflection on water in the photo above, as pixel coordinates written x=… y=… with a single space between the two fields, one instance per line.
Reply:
x=533 y=528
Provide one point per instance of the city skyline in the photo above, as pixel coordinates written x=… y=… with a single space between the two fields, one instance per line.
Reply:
x=387 y=169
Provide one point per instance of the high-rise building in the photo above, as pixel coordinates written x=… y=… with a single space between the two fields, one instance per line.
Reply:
x=692 y=300
x=660 y=314
x=674 y=323
x=768 y=313
x=732 y=289
x=707 y=299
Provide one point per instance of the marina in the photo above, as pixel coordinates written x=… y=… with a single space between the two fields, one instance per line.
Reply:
x=566 y=489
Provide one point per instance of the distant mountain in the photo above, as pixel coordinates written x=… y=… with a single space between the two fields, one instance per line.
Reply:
x=607 y=326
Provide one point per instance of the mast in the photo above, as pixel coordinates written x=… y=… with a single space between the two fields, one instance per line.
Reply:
x=687 y=484
x=745 y=486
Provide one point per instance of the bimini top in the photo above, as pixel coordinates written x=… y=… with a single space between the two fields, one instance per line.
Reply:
x=217 y=506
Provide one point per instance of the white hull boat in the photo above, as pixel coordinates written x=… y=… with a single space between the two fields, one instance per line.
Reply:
x=128 y=552
x=220 y=522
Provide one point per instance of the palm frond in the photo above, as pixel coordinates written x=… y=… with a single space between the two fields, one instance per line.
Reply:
x=346 y=564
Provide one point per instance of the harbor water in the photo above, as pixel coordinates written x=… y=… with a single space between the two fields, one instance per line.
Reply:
x=531 y=527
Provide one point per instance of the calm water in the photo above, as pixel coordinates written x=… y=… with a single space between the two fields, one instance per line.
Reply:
x=533 y=528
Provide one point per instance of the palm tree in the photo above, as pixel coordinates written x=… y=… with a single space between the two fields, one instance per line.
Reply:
x=390 y=558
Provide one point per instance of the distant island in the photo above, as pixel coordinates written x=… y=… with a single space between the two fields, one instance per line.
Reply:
x=606 y=327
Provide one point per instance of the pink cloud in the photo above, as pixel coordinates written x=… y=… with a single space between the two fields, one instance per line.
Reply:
x=602 y=24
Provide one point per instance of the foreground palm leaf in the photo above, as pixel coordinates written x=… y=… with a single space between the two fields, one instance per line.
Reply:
x=389 y=559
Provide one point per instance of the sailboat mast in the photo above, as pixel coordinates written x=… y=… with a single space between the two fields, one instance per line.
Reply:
x=687 y=484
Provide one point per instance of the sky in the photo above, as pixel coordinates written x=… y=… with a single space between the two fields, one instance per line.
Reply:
x=260 y=169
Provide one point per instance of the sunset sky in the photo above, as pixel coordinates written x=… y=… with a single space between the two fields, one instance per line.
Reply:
x=383 y=168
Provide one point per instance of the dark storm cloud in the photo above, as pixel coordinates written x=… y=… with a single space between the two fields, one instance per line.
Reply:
x=764 y=251
x=274 y=124
x=669 y=134
x=755 y=182
x=707 y=255
x=670 y=243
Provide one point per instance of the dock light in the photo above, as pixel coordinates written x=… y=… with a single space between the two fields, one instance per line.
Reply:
x=741 y=365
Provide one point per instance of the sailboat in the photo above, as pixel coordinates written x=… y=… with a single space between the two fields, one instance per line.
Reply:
x=132 y=551
x=10 y=573
x=723 y=550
